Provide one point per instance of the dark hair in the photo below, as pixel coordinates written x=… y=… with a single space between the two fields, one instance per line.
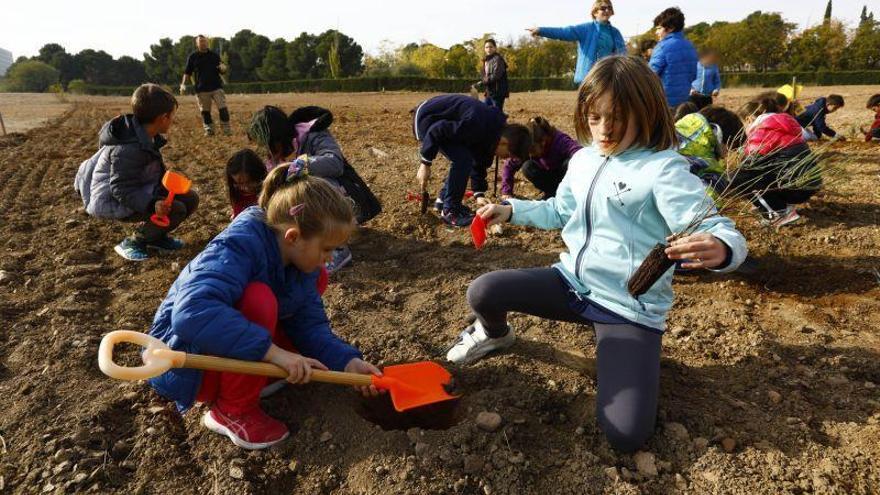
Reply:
x=685 y=109
x=835 y=100
x=322 y=203
x=671 y=18
x=634 y=89
x=873 y=101
x=758 y=106
x=150 y=101
x=519 y=140
x=201 y=36
x=244 y=161
x=269 y=128
x=730 y=124
x=646 y=44
x=491 y=40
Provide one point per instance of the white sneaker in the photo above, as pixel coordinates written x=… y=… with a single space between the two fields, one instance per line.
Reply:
x=777 y=219
x=474 y=343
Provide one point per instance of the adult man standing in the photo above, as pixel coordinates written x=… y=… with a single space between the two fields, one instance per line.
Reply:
x=207 y=68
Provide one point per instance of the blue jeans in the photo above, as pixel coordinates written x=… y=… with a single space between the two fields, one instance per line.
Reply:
x=462 y=166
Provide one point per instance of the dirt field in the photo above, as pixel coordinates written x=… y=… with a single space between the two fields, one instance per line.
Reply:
x=24 y=111
x=769 y=382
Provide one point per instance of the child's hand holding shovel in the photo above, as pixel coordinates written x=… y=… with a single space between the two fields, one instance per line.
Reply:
x=495 y=214
x=362 y=367
x=298 y=367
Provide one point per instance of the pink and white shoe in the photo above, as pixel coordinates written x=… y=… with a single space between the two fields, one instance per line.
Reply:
x=252 y=430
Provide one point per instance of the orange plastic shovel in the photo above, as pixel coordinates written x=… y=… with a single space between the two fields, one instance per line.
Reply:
x=478 y=231
x=410 y=385
x=175 y=183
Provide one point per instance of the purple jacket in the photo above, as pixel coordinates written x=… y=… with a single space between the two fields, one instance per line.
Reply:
x=561 y=148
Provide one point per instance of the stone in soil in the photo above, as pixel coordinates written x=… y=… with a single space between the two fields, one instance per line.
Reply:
x=612 y=473
x=677 y=431
x=728 y=444
x=646 y=464
x=488 y=421
x=473 y=464
x=774 y=396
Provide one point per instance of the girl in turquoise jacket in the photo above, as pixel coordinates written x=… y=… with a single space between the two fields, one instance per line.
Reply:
x=623 y=194
x=596 y=39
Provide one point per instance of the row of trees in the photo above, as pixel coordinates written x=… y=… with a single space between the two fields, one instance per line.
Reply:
x=760 y=42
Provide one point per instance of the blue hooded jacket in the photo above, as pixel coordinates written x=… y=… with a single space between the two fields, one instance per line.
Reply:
x=587 y=37
x=675 y=60
x=198 y=315
x=461 y=120
x=814 y=115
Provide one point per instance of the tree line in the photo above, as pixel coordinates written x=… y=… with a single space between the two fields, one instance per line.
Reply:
x=763 y=41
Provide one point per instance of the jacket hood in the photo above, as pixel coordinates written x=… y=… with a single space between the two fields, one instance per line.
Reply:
x=781 y=124
x=323 y=118
x=126 y=129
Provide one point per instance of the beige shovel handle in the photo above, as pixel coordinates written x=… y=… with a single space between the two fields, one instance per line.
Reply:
x=159 y=358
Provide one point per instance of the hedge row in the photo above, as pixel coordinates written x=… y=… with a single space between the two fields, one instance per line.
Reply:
x=375 y=84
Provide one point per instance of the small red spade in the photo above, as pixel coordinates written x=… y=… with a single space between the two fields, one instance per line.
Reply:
x=478 y=231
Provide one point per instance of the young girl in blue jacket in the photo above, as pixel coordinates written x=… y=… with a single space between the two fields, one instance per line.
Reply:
x=251 y=295
x=624 y=193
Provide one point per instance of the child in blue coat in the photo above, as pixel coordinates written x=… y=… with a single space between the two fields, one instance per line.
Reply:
x=251 y=295
x=674 y=59
x=814 y=116
x=622 y=195
x=707 y=85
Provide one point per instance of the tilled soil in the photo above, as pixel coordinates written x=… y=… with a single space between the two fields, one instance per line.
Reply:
x=769 y=380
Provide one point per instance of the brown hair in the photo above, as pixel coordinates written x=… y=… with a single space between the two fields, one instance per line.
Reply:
x=873 y=101
x=758 y=106
x=836 y=100
x=599 y=3
x=729 y=123
x=150 y=101
x=541 y=130
x=634 y=89
x=322 y=203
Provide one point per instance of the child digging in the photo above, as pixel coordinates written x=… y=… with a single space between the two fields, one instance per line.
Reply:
x=814 y=116
x=251 y=295
x=469 y=134
x=123 y=180
x=305 y=134
x=622 y=195
x=548 y=159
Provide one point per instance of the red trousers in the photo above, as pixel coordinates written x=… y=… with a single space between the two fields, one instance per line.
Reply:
x=235 y=393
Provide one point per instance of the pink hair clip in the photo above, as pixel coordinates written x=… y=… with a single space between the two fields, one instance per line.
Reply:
x=296 y=210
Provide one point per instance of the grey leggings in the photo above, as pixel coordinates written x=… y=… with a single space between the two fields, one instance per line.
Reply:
x=627 y=357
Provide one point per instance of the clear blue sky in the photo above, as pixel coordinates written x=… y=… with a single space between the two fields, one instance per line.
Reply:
x=129 y=27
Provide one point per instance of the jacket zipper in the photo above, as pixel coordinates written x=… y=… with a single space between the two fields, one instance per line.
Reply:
x=580 y=256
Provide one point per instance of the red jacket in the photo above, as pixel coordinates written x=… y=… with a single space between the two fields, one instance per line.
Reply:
x=772 y=132
x=874 y=131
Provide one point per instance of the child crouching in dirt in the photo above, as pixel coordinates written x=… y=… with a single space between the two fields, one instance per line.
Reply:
x=469 y=134
x=548 y=159
x=622 y=195
x=705 y=137
x=251 y=295
x=123 y=180
x=305 y=134
x=778 y=170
